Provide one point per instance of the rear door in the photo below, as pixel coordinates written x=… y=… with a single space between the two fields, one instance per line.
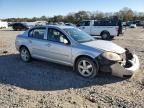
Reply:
x=108 y=26
x=85 y=26
x=37 y=42
x=96 y=28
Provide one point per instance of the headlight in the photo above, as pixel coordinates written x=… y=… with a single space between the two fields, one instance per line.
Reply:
x=111 y=56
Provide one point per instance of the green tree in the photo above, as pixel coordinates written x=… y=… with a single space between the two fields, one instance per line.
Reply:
x=126 y=14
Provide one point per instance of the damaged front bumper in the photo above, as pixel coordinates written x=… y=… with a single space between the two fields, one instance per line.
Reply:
x=121 y=71
x=125 y=68
x=135 y=65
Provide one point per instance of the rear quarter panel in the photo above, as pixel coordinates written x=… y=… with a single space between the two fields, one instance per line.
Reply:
x=22 y=40
x=97 y=30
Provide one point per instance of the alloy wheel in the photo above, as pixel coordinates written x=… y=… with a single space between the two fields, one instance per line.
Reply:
x=85 y=68
x=25 y=56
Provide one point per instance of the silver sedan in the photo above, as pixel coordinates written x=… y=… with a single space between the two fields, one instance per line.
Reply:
x=71 y=46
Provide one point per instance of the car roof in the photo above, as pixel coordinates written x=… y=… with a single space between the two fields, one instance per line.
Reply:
x=56 y=26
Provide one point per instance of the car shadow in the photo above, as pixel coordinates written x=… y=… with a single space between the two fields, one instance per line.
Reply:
x=45 y=76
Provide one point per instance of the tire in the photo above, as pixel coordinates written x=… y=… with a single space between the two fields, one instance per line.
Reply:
x=111 y=37
x=86 y=67
x=105 y=36
x=25 y=54
x=15 y=29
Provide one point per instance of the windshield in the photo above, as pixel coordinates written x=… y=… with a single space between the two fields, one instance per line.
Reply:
x=78 y=35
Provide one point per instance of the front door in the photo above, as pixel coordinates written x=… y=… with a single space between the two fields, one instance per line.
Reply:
x=59 y=46
x=85 y=26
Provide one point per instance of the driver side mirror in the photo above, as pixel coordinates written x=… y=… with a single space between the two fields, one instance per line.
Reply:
x=65 y=41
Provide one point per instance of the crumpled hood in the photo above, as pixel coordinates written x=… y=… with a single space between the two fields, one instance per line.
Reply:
x=105 y=45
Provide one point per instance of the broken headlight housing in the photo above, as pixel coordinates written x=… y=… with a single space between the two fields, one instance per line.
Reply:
x=112 y=56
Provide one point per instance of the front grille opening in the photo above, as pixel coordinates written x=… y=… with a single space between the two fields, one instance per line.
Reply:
x=129 y=55
x=127 y=76
x=128 y=64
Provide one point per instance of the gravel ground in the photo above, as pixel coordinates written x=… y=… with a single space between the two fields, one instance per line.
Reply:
x=42 y=84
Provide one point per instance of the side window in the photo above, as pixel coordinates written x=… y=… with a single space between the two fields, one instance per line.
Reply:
x=37 y=33
x=85 y=23
x=104 y=23
x=82 y=23
x=97 y=23
x=57 y=36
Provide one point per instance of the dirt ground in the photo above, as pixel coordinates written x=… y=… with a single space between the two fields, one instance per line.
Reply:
x=42 y=84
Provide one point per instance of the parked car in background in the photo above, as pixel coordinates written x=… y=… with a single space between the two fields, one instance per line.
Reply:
x=61 y=23
x=39 y=23
x=107 y=29
x=142 y=23
x=133 y=26
x=138 y=22
x=70 y=24
x=3 y=24
x=10 y=24
x=124 y=26
x=73 y=47
x=20 y=26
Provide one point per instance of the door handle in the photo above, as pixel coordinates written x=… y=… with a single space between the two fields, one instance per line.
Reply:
x=30 y=41
x=83 y=27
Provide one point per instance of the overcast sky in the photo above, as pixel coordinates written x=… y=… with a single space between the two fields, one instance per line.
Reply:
x=37 y=8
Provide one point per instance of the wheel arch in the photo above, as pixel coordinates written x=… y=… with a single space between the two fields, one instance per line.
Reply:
x=105 y=31
x=24 y=46
x=80 y=56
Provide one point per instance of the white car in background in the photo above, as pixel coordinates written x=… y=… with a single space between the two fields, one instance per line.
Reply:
x=133 y=26
x=106 y=29
x=70 y=24
x=39 y=23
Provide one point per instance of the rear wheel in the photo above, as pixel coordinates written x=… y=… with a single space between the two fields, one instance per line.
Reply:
x=105 y=36
x=86 y=67
x=25 y=54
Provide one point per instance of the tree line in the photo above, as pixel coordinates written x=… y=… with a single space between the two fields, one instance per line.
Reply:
x=125 y=14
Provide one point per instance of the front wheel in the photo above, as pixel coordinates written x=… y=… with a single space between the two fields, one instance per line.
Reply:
x=87 y=67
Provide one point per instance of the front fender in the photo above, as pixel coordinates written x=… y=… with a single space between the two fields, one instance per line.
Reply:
x=92 y=55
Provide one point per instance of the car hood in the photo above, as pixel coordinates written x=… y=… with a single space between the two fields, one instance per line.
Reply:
x=105 y=45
